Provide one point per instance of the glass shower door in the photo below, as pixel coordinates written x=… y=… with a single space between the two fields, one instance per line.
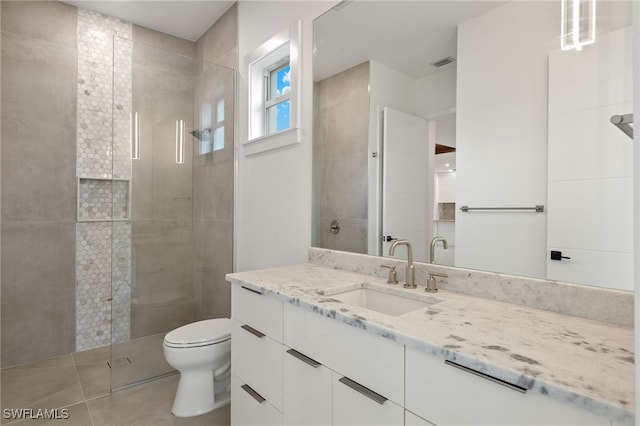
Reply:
x=151 y=269
x=166 y=125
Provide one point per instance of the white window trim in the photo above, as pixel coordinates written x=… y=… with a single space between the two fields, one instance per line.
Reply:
x=285 y=43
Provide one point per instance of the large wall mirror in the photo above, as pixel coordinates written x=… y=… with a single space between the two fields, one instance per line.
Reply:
x=466 y=120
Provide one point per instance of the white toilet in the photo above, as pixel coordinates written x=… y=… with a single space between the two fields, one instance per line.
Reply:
x=201 y=352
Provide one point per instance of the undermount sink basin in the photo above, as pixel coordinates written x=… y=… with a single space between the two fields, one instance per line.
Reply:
x=383 y=302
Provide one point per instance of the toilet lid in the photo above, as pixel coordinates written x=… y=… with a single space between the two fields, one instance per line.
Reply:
x=200 y=333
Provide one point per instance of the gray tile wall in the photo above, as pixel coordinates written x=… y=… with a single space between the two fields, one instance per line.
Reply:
x=162 y=208
x=38 y=179
x=213 y=176
x=219 y=45
x=340 y=173
x=164 y=41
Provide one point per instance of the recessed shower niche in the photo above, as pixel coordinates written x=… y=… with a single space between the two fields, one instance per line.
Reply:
x=103 y=199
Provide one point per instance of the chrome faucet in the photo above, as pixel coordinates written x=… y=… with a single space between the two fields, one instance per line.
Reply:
x=411 y=272
x=432 y=252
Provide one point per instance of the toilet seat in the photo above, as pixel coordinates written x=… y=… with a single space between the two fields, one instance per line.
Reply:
x=201 y=333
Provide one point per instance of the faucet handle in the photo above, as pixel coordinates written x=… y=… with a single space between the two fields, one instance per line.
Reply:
x=431 y=281
x=438 y=274
x=393 y=275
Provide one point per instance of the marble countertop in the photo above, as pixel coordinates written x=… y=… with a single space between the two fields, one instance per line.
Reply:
x=580 y=361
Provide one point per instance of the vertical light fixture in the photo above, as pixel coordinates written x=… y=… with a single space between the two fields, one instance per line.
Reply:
x=578 y=27
x=135 y=136
x=180 y=141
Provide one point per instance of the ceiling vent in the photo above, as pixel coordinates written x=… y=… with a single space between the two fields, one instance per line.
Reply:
x=442 y=62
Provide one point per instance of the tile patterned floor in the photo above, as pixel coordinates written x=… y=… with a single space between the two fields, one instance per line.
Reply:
x=79 y=383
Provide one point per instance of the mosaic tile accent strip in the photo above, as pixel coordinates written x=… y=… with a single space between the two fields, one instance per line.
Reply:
x=102 y=199
x=121 y=286
x=93 y=285
x=103 y=271
x=95 y=91
x=122 y=107
x=103 y=249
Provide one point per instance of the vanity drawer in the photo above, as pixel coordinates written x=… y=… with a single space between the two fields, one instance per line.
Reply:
x=355 y=405
x=257 y=360
x=370 y=360
x=447 y=395
x=248 y=407
x=260 y=311
x=307 y=395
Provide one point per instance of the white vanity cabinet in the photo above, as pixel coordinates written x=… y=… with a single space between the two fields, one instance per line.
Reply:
x=372 y=361
x=256 y=358
x=354 y=404
x=307 y=390
x=249 y=408
x=316 y=395
x=294 y=366
x=361 y=379
x=446 y=394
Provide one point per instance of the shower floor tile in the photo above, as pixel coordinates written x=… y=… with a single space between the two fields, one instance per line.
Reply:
x=145 y=358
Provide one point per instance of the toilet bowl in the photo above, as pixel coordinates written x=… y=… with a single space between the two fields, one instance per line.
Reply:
x=201 y=352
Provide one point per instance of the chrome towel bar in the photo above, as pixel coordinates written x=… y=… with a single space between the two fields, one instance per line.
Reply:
x=538 y=208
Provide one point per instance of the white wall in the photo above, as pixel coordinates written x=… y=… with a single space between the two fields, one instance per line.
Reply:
x=502 y=136
x=594 y=193
x=436 y=92
x=273 y=207
x=445 y=187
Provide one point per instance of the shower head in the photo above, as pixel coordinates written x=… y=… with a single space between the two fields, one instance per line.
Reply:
x=201 y=135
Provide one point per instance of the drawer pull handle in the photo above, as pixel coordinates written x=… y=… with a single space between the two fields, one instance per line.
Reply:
x=363 y=390
x=248 y=389
x=251 y=290
x=304 y=358
x=253 y=331
x=487 y=377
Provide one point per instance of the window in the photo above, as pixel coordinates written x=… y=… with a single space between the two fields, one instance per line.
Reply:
x=273 y=92
x=277 y=101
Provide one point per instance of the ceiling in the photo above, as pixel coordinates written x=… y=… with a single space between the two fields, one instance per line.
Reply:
x=408 y=36
x=404 y=35
x=184 y=18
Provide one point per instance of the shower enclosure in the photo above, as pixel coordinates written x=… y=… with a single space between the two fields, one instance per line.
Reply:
x=171 y=201
x=116 y=222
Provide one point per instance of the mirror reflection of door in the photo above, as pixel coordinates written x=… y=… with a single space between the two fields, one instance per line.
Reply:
x=407 y=183
x=442 y=130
